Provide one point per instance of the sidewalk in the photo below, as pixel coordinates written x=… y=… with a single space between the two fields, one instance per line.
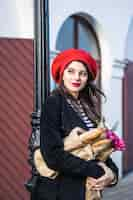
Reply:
x=123 y=191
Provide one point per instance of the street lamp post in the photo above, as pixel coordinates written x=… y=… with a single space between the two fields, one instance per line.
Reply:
x=41 y=79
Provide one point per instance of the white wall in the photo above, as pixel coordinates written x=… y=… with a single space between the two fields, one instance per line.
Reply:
x=129 y=42
x=112 y=109
x=114 y=16
x=16 y=18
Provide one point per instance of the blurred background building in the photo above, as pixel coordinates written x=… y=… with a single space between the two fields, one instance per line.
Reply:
x=105 y=29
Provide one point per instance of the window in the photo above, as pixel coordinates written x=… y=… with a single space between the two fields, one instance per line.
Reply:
x=76 y=32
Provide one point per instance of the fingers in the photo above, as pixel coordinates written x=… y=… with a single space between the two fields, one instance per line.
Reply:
x=102 y=182
x=98 y=187
x=97 y=184
x=94 y=184
x=90 y=182
x=109 y=175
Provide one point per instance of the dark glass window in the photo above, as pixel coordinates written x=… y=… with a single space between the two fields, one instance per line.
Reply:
x=76 y=32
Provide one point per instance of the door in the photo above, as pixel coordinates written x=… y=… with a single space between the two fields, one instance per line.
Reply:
x=128 y=118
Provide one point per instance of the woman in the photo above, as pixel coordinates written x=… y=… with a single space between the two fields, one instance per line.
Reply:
x=72 y=104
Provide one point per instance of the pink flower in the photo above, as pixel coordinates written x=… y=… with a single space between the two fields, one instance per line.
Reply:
x=117 y=143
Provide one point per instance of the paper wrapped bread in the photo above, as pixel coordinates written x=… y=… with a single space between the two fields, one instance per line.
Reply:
x=92 y=135
x=80 y=143
x=42 y=167
x=101 y=146
x=84 y=144
x=104 y=155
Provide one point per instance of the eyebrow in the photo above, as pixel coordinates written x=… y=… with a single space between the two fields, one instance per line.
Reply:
x=83 y=70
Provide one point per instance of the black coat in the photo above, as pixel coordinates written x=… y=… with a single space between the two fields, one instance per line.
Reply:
x=57 y=120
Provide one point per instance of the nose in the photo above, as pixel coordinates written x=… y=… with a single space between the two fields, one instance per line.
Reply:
x=77 y=76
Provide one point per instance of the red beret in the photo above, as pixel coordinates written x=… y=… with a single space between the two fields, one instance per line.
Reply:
x=61 y=61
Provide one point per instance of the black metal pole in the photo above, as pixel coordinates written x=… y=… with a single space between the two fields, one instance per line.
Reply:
x=41 y=52
x=45 y=50
x=41 y=79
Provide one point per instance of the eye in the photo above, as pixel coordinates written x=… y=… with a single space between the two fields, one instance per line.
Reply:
x=70 y=71
x=83 y=73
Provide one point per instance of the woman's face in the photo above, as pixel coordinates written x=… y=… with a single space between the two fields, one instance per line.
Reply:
x=75 y=77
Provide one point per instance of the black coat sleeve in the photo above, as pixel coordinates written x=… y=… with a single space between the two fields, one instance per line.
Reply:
x=110 y=163
x=52 y=147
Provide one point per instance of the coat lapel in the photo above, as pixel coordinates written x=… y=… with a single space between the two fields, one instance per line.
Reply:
x=70 y=119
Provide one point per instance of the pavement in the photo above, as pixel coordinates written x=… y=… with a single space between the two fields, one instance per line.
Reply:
x=122 y=191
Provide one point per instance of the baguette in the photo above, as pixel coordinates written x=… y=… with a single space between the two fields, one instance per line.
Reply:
x=104 y=155
x=90 y=136
x=101 y=145
x=41 y=165
x=72 y=141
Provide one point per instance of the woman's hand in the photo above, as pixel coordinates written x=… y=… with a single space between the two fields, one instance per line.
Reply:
x=91 y=182
x=106 y=179
x=102 y=182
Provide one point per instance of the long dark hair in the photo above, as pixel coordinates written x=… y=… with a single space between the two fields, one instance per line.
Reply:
x=90 y=97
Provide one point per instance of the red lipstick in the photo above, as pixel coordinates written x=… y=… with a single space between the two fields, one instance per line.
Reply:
x=76 y=84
